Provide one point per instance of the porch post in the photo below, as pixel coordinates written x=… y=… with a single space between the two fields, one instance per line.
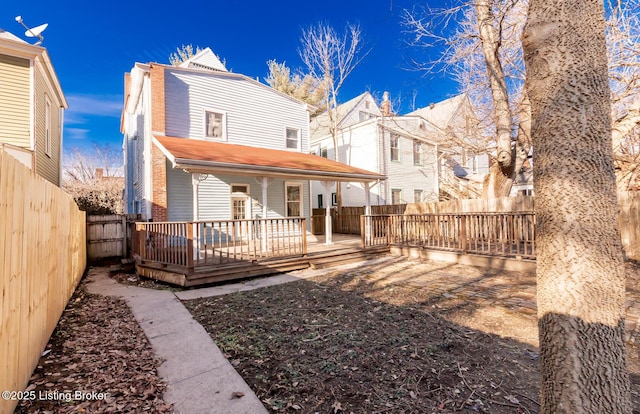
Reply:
x=264 y=184
x=195 y=182
x=328 y=239
x=367 y=212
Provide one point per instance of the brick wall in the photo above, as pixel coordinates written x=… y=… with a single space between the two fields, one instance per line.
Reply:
x=158 y=160
x=158 y=184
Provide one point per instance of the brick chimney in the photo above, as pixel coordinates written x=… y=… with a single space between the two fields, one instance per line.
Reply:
x=99 y=173
x=385 y=106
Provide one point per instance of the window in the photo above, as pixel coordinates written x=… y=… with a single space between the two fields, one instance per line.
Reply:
x=367 y=105
x=324 y=153
x=417 y=196
x=417 y=152
x=214 y=125
x=293 y=138
x=47 y=126
x=240 y=205
x=320 y=205
x=394 y=145
x=396 y=196
x=364 y=116
x=293 y=194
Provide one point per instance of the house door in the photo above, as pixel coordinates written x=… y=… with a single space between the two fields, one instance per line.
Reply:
x=240 y=210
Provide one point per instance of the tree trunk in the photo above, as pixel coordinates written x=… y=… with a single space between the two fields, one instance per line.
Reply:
x=491 y=49
x=580 y=272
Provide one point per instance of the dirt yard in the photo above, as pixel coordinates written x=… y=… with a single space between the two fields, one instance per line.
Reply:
x=406 y=337
x=396 y=337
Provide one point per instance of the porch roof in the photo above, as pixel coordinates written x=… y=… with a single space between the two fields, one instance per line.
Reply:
x=206 y=157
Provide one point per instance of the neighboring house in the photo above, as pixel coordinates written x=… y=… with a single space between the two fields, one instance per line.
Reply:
x=415 y=151
x=202 y=143
x=466 y=159
x=31 y=107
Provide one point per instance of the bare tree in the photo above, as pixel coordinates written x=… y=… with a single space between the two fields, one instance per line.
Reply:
x=331 y=58
x=623 y=45
x=94 y=178
x=483 y=52
x=183 y=53
x=581 y=283
x=304 y=87
x=482 y=49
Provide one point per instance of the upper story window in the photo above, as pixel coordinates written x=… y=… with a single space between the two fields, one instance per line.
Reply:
x=293 y=138
x=394 y=143
x=364 y=116
x=214 y=125
x=324 y=152
x=417 y=152
x=47 y=126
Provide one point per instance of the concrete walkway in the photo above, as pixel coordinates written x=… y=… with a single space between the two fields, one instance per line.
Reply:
x=199 y=378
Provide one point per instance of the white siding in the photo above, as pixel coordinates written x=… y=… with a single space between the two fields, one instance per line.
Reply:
x=214 y=197
x=255 y=115
x=404 y=175
x=179 y=195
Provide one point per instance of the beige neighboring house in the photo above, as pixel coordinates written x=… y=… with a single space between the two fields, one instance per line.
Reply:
x=31 y=107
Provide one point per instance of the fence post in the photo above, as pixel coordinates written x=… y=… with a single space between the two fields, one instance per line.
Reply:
x=142 y=241
x=463 y=233
x=189 y=245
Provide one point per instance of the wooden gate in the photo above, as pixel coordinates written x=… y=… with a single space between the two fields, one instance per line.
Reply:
x=106 y=236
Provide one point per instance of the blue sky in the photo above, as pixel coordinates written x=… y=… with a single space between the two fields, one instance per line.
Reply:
x=92 y=45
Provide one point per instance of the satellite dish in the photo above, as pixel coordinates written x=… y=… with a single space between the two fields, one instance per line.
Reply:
x=35 y=32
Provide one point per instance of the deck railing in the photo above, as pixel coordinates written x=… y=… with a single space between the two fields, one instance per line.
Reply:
x=502 y=234
x=202 y=243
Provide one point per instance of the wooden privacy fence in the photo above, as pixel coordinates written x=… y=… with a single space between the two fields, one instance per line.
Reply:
x=109 y=235
x=43 y=248
x=629 y=220
x=502 y=234
x=202 y=243
x=347 y=219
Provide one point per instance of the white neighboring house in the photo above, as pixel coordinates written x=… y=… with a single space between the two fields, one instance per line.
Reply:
x=415 y=151
x=202 y=143
x=467 y=158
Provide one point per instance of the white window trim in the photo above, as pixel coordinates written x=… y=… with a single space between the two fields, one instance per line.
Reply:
x=397 y=147
x=248 y=211
x=396 y=190
x=286 y=201
x=421 y=192
x=47 y=126
x=298 y=144
x=420 y=152
x=204 y=125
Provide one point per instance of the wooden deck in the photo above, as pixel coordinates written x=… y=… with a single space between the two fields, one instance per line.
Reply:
x=345 y=249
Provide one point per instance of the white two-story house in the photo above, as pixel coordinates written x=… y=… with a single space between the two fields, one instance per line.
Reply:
x=203 y=143
x=423 y=154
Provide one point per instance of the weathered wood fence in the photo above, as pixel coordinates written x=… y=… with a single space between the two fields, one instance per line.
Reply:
x=629 y=220
x=109 y=235
x=43 y=250
x=347 y=220
x=499 y=234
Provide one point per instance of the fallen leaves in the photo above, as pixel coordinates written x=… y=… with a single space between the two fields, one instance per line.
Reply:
x=325 y=345
x=97 y=347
